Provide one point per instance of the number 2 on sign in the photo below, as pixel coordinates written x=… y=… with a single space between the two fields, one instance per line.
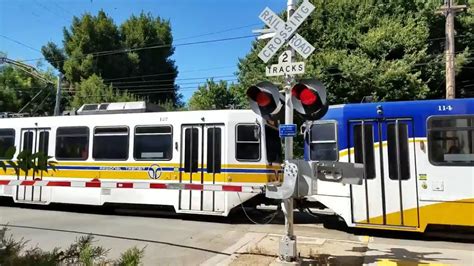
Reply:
x=444 y=108
x=284 y=58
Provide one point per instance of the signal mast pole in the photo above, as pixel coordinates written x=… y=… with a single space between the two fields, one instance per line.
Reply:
x=288 y=242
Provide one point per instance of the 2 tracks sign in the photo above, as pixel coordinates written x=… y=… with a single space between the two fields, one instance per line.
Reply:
x=285 y=33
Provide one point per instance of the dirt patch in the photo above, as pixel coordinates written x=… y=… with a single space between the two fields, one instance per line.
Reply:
x=313 y=251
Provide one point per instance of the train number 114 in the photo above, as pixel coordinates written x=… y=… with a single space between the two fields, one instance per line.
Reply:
x=444 y=108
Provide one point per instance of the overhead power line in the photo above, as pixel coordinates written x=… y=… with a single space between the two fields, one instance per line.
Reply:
x=170 y=80
x=20 y=43
x=128 y=50
x=168 y=73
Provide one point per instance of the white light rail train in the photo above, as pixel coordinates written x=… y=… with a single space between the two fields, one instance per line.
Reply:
x=111 y=142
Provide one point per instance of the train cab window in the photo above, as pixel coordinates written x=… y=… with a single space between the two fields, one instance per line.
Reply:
x=273 y=144
x=323 y=142
x=153 y=143
x=398 y=160
x=110 y=143
x=7 y=142
x=364 y=148
x=214 y=150
x=451 y=140
x=72 y=143
x=248 y=142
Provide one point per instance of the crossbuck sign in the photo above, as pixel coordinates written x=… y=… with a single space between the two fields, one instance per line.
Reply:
x=285 y=32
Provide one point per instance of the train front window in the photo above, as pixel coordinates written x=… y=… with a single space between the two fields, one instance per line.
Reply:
x=7 y=142
x=153 y=143
x=451 y=140
x=248 y=142
x=72 y=143
x=323 y=142
x=110 y=143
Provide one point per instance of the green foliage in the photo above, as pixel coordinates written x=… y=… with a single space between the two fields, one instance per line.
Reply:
x=26 y=162
x=81 y=252
x=84 y=252
x=211 y=96
x=131 y=257
x=390 y=50
x=17 y=88
x=93 y=90
x=89 y=36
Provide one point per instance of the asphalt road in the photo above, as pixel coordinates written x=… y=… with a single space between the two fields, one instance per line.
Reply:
x=171 y=239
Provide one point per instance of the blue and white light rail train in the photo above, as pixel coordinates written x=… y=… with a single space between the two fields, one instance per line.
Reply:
x=418 y=158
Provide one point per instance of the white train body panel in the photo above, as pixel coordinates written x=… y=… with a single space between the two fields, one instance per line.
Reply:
x=197 y=147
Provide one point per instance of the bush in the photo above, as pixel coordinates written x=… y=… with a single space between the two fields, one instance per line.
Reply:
x=81 y=252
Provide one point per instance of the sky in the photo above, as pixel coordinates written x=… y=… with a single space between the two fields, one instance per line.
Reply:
x=26 y=25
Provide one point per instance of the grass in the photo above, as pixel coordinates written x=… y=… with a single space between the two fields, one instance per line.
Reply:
x=82 y=252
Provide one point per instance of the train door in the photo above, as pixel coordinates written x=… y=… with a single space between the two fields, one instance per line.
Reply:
x=201 y=162
x=33 y=141
x=388 y=195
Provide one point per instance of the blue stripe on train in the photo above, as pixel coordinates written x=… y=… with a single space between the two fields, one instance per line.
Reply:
x=164 y=169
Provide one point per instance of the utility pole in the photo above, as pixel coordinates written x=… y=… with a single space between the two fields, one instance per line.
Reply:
x=58 y=96
x=288 y=242
x=449 y=9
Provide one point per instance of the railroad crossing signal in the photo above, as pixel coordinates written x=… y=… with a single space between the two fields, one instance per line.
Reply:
x=308 y=97
x=285 y=32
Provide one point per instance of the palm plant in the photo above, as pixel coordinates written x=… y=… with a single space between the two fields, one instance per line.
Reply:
x=9 y=155
x=26 y=162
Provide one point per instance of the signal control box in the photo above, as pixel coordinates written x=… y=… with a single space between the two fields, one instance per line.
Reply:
x=301 y=177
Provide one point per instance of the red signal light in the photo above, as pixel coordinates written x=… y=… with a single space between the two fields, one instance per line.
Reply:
x=308 y=97
x=304 y=94
x=263 y=99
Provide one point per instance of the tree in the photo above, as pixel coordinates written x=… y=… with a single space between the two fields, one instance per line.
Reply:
x=18 y=88
x=134 y=56
x=93 y=90
x=155 y=65
x=390 y=50
x=211 y=96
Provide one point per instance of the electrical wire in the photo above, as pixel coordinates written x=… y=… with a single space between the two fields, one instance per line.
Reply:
x=20 y=43
x=168 y=73
x=128 y=50
x=272 y=216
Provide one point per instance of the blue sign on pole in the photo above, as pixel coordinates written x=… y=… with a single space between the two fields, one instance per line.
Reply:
x=287 y=130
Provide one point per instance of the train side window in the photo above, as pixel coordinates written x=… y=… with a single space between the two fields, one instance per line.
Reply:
x=214 y=150
x=323 y=142
x=191 y=150
x=7 y=141
x=451 y=140
x=365 y=145
x=43 y=145
x=110 y=143
x=153 y=143
x=72 y=143
x=248 y=142
x=404 y=156
x=28 y=141
x=273 y=144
